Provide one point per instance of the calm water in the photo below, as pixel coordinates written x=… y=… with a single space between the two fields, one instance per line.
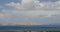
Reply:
x=29 y=27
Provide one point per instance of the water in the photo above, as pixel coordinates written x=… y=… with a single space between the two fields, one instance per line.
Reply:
x=29 y=27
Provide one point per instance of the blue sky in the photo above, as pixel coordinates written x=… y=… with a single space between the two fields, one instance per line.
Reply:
x=31 y=12
x=6 y=1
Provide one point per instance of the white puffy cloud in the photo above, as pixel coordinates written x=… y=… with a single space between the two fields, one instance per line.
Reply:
x=26 y=4
x=15 y=5
x=34 y=4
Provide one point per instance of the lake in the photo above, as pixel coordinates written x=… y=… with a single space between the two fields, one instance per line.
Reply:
x=29 y=27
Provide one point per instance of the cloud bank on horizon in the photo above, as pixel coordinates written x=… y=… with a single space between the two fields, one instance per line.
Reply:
x=30 y=12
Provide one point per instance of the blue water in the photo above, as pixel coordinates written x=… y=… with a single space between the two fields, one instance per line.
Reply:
x=29 y=27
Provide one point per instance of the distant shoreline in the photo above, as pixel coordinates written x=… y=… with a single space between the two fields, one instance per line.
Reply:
x=29 y=25
x=30 y=31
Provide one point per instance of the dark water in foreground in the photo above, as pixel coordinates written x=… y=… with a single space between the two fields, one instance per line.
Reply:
x=29 y=27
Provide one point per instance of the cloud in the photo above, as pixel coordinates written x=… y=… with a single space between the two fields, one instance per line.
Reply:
x=21 y=23
x=1 y=16
x=13 y=23
x=1 y=7
x=34 y=4
x=30 y=11
x=24 y=14
x=25 y=4
x=34 y=17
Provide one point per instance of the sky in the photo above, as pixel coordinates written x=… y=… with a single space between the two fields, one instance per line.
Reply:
x=29 y=12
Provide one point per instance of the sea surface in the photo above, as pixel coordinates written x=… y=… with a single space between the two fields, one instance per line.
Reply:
x=29 y=27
